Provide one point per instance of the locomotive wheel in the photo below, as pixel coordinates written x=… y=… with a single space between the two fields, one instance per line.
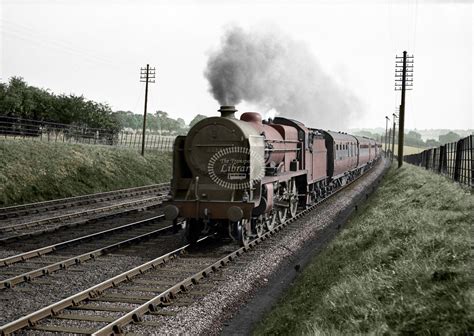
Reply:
x=270 y=221
x=259 y=226
x=281 y=215
x=243 y=229
x=192 y=231
x=293 y=199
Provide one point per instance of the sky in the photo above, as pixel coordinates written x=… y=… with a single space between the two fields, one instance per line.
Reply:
x=96 y=49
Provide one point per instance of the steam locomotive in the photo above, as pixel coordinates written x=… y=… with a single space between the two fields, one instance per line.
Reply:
x=240 y=178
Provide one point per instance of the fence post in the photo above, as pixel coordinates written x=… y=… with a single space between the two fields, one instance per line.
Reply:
x=470 y=149
x=440 y=160
x=154 y=140
x=458 y=160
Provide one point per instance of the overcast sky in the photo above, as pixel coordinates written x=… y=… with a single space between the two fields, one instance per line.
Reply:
x=96 y=48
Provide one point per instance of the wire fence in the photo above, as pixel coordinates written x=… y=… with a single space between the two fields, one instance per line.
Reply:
x=454 y=160
x=11 y=127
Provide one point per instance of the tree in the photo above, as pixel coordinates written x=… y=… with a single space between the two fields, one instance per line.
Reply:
x=414 y=139
x=128 y=119
x=450 y=137
x=196 y=119
x=432 y=143
x=181 y=122
x=18 y=99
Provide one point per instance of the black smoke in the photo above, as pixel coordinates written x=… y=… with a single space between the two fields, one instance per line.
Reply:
x=273 y=71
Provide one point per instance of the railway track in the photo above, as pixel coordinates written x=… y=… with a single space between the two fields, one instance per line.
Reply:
x=140 y=296
x=70 y=202
x=46 y=260
x=14 y=232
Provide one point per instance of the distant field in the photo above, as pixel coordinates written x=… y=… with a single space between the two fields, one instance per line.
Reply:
x=407 y=150
x=34 y=170
x=402 y=266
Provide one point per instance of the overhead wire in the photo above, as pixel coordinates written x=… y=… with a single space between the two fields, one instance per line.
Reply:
x=28 y=33
x=412 y=97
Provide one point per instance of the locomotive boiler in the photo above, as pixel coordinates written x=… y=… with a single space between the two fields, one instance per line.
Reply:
x=241 y=177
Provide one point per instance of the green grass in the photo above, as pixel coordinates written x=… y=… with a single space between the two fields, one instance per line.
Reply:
x=401 y=266
x=33 y=171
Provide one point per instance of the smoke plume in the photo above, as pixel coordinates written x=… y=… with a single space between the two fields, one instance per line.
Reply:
x=275 y=72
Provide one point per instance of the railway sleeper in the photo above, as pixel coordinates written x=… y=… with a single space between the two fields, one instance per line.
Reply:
x=130 y=300
x=144 y=289
x=63 y=329
x=85 y=317
x=162 y=312
x=153 y=282
x=104 y=308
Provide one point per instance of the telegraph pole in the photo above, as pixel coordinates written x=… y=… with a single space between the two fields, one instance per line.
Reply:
x=393 y=134
x=389 y=137
x=147 y=75
x=403 y=74
x=386 y=127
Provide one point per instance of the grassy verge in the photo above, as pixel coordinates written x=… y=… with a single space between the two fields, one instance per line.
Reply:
x=401 y=266
x=33 y=171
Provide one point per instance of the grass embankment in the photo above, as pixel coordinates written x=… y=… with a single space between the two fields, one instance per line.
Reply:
x=401 y=266
x=33 y=171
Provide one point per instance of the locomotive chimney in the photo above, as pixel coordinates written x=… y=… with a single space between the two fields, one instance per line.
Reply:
x=227 y=111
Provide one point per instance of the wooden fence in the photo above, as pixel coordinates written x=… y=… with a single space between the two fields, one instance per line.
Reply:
x=454 y=160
